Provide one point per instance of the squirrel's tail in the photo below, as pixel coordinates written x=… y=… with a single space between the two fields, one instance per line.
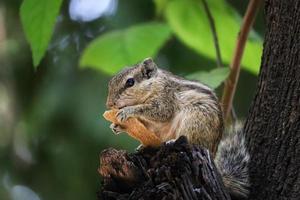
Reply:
x=232 y=161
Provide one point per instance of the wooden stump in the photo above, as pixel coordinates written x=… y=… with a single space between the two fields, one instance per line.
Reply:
x=176 y=170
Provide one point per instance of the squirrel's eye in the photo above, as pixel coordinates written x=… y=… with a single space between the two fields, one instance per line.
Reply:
x=129 y=82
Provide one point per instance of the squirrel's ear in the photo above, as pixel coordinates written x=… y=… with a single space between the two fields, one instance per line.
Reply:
x=149 y=67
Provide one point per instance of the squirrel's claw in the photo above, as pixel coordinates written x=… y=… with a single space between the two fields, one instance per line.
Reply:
x=170 y=142
x=122 y=115
x=116 y=129
x=139 y=148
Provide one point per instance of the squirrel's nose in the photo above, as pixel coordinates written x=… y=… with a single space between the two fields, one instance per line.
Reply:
x=109 y=104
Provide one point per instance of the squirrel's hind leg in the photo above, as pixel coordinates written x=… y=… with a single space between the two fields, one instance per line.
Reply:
x=198 y=129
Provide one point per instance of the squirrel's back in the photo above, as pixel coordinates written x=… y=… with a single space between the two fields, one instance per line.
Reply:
x=232 y=160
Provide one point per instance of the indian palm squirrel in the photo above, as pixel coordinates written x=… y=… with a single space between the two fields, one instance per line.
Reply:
x=171 y=106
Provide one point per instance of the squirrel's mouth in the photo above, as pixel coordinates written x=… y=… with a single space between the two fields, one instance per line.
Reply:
x=120 y=106
x=116 y=107
x=125 y=103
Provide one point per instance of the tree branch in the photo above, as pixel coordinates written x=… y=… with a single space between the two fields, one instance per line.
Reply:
x=231 y=82
x=214 y=33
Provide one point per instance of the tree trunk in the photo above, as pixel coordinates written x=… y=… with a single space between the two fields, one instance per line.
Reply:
x=273 y=124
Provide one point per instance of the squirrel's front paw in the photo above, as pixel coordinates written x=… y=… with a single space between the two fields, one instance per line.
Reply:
x=123 y=114
x=116 y=129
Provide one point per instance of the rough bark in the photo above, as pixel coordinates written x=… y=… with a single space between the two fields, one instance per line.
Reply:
x=173 y=171
x=273 y=124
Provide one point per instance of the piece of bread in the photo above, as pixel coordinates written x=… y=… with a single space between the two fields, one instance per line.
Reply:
x=135 y=129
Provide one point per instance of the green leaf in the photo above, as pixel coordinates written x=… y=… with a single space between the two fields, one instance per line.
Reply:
x=189 y=22
x=112 y=51
x=213 y=78
x=38 y=20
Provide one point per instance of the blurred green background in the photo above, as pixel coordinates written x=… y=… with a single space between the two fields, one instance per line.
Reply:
x=51 y=124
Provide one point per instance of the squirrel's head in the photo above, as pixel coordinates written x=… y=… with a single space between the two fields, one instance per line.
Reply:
x=132 y=85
